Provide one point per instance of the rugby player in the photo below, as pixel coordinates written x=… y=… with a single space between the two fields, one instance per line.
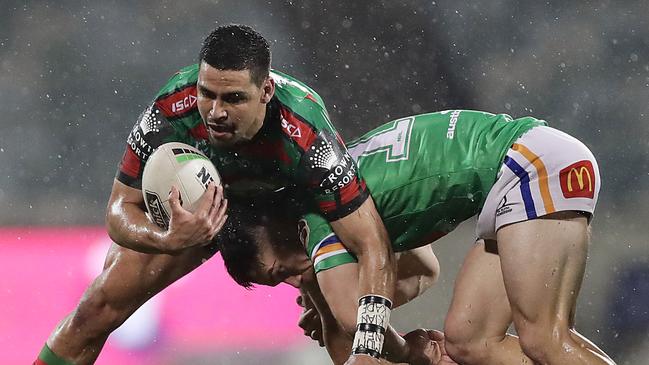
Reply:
x=534 y=189
x=264 y=131
x=261 y=245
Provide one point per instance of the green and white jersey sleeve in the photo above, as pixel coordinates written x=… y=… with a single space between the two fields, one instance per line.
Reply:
x=321 y=243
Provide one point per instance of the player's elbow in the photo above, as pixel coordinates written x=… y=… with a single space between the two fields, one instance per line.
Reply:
x=112 y=231
x=116 y=222
x=112 y=221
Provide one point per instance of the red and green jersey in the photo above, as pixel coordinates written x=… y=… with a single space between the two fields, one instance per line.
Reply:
x=426 y=174
x=297 y=145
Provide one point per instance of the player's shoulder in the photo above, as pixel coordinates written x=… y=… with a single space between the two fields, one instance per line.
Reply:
x=298 y=98
x=177 y=98
x=181 y=79
x=302 y=113
x=291 y=90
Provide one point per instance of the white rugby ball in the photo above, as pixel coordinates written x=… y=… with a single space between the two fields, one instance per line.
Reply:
x=180 y=165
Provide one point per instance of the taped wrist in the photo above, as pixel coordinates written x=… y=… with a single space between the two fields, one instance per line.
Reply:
x=372 y=321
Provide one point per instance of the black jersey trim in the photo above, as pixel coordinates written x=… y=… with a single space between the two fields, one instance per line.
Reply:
x=343 y=211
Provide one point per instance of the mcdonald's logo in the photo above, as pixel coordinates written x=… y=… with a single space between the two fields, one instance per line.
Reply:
x=578 y=180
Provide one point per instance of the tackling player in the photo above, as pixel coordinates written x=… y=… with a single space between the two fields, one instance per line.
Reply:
x=534 y=188
x=263 y=130
x=261 y=245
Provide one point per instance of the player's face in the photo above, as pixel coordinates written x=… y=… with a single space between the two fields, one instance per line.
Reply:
x=231 y=105
x=286 y=262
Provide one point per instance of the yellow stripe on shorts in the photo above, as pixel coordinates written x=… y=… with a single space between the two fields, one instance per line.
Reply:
x=543 y=175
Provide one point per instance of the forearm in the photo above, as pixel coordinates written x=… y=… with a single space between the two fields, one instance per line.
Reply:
x=128 y=226
x=337 y=342
x=377 y=270
x=364 y=234
x=376 y=297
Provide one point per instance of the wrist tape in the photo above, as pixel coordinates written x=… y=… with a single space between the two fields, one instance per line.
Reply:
x=371 y=323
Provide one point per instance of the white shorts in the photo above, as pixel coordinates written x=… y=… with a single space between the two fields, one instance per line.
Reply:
x=544 y=171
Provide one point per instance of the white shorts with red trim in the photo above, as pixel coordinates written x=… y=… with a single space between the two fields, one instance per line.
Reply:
x=545 y=171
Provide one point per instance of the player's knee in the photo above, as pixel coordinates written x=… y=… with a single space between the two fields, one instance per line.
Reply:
x=540 y=342
x=462 y=343
x=96 y=315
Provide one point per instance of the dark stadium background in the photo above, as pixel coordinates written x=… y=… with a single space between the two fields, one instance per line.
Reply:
x=74 y=76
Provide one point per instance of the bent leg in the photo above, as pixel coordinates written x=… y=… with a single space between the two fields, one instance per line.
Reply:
x=128 y=280
x=543 y=262
x=477 y=321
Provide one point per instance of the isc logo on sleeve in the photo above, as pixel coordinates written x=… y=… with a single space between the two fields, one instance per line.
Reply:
x=578 y=180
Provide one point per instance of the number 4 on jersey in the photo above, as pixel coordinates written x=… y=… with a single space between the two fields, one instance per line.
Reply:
x=395 y=141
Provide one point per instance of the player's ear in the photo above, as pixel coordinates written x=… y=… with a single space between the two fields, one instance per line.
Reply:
x=268 y=90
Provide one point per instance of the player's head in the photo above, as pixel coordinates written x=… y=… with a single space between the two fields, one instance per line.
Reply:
x=234 y=85
x=260 y=245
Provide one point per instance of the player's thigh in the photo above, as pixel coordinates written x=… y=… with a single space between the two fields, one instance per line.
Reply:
x=479 y=308
x=131 y=277
x=543 y=262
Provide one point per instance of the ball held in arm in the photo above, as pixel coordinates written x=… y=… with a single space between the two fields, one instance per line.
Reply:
x=175 y=164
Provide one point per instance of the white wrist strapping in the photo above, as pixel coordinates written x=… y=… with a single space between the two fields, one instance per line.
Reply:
x=371 y=323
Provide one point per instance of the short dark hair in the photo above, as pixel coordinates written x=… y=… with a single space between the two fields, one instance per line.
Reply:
x=237 y=243
x=248 y=220
x=237 y=47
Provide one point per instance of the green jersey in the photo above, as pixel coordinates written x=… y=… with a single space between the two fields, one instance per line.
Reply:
x=426 y=174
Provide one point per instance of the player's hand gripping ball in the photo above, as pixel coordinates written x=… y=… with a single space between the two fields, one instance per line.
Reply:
x=180 y=165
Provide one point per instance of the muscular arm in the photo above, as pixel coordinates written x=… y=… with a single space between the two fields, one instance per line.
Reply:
x=128 y=225
x=334 y=293
x=337 y=341
x=340 y=290
x=364 y=234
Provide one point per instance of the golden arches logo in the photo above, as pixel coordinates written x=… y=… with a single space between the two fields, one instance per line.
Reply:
x=578 y=180
x=579 y=174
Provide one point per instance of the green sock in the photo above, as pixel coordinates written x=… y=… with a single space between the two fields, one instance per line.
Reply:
x=47 y=357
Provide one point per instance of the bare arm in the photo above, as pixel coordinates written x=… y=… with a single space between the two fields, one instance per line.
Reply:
x=128 y=225
x=364 y=234
x=340 y=290
x=336 y=340
x=418 y=270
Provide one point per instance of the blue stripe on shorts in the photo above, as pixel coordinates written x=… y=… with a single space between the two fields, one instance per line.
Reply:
x=525 y=186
